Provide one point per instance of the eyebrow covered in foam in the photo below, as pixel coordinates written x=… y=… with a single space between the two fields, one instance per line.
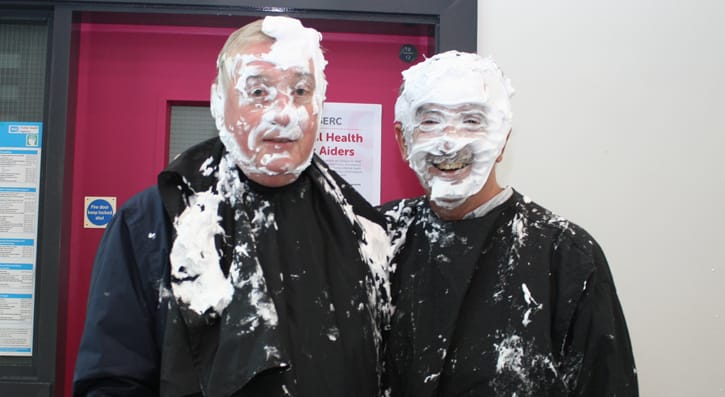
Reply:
x=268 y=84
x=468 y=113
x=300 y=77
x=459 y=108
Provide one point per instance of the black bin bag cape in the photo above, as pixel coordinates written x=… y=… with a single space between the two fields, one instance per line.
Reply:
x=516 y=302
x=304 y=314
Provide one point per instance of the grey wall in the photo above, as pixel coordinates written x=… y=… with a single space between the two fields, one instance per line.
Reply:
x=619 y=126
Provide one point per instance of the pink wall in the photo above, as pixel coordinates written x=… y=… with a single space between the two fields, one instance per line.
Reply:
x=127 y=74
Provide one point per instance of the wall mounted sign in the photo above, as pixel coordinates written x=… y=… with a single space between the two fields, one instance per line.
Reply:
x=349 y=142
x=98 y=211
x=408 y=53
x=20 y=154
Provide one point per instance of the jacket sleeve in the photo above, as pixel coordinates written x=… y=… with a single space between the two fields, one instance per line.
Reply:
x=599 y=348
x=119 y=354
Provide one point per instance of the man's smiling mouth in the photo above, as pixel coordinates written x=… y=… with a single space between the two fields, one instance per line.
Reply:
x=452 y=162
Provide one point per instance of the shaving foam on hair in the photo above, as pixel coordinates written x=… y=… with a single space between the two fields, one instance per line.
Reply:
x=294 y=47
x=452 y=79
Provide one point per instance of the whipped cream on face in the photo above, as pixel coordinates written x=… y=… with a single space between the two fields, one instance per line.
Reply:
x=267 y=126
x=294 y=47
x=449 y=193
x=454 y=81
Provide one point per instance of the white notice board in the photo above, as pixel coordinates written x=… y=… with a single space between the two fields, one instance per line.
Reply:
x=349 y=142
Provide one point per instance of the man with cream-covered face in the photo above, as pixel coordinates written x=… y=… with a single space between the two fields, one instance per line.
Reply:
x=267 y=102
x=251 y=269
x=451 y=126
x=493 y=294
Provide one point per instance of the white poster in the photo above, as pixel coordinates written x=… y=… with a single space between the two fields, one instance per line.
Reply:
x=19 y=184
x=349 y=142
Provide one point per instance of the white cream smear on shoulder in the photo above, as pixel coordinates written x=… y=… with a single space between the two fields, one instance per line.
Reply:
x=197 y=277
x=454 y=79
x=294 y=47
x=194 y=257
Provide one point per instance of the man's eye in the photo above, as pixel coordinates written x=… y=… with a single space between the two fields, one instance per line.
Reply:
x=257 y=93
x=474 y=119
x=430 y=122
x=300 y=91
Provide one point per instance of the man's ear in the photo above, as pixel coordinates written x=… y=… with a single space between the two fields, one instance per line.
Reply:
x=400 y=138
x=217 y=104
x=503 y=149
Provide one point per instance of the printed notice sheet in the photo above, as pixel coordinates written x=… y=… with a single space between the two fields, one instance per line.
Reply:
x=20 y=147
x=349 y=142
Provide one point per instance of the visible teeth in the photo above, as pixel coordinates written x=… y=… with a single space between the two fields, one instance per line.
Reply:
x=463 y=156
x=452 y=161
x=450 y=166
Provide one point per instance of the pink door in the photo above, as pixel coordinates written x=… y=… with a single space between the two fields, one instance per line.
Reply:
x=127 y=77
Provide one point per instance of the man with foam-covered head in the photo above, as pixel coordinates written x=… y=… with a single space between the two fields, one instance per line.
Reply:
x=453 y=117
x=267 y=98
x=251 y=269
x=494 y=295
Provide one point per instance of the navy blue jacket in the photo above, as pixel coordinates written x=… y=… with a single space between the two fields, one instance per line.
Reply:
x=135 y=253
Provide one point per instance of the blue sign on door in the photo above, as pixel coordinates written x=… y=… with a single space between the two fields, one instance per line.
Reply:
x=99 y=211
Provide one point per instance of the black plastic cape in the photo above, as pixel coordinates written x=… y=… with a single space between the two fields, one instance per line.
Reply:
x=516 y=302
x=325 y=337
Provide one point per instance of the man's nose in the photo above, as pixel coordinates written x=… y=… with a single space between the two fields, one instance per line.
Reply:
x=283 y=111
x=451 y=130
x=450 y=134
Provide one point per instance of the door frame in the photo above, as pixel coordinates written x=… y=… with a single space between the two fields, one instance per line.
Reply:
x=455 y=27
